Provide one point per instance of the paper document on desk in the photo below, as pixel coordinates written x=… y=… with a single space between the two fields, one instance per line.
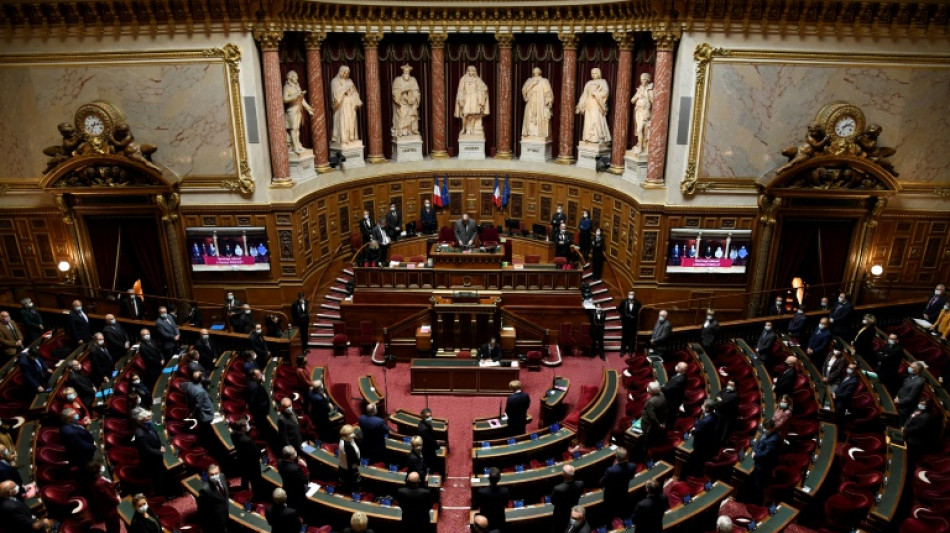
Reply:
x=923 y=323
x=312 y=488
x=494 y=423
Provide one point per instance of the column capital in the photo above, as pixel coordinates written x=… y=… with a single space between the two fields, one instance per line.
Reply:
x=666 y=39
x=437 y=40
x=505 y=40
x=314 y=39
x=269 y=39
x=624 y=40
x=569 y=40
x=371 y=39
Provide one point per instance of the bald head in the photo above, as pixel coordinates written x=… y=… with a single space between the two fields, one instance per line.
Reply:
x=413 y=479
x=8 y=489
x=791 y=360
x=568 y=472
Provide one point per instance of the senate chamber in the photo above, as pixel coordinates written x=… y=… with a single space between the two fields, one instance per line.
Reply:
x=312 y=266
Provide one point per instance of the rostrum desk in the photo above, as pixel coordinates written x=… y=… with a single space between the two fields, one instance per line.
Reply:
x=460 y=376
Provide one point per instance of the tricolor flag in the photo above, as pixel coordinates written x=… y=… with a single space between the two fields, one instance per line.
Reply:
x=445 y=191
x=436 y=193
x=507 y=194
x=496 y=193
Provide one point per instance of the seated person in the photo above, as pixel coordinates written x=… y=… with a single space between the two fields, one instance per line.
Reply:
x=490 y=350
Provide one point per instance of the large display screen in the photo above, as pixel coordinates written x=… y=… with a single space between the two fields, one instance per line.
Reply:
x=217 y=249
x=708 y=251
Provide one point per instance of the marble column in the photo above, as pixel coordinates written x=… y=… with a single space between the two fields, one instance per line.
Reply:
x=622 y=101
x=374 y=112
x=565 y=152
x=437 y=57
x=274 y=105
x=318 y=122
x=662 y=91
x=503 y=106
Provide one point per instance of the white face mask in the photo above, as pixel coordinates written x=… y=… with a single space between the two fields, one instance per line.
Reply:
x=143 y=509
x=768 y=328
x=29 y=305
x=147 y=337
x=113 y=321
x=230 y=297
x=100 y=343
x=921 y=407
x=78 y=309
x=214 y=478
x=136 y=381
x=778 y=302
x=821 y=326
x=258 y=330
x=783 y=405
x=841 y=300
x=247 y=312
x=70 y=397
x=891 y=342
x=206 y=337
x=836 y=352
x=937 y=292
x=709 y=317
x=864 y=322
x=559 y=211
x=164 y=315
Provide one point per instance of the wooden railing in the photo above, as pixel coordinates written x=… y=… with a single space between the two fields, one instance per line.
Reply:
x=400 y=338
x=528 y=334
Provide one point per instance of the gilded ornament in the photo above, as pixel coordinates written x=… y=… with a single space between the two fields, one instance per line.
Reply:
x=169 y=205
x=269 y=40
x=314 y=39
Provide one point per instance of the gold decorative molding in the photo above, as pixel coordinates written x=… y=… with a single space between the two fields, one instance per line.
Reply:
x=314 y=39
x=666 y=39
x=437 y=39
x=65 y=208
x=568 y=40
x=168 y=203
x=624 y=40
x=372 y=39
x=505 y=39
x=270 y=40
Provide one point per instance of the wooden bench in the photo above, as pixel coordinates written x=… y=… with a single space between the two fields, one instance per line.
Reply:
x=882 y=398
x=372 y=394
x=170 y=457
x=881 y=517
x=690 y=517
x=744 y=467
x=550 y=445
x=374 y=479
x=489 y=428
x=596 y=420
x=407 y=423
x=818 y=471
x=552 y=405
x=712 y=386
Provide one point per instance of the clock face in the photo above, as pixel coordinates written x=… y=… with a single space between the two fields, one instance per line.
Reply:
x=846 y=127
x=93 y=125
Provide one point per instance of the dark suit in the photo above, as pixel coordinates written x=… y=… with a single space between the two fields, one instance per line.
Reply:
x=375 y=431
x=429 y=222
x=133 y=307
x=79 y=444
x=919 y=434
x=660 y=340
x=167 y=330
x=889 y=365
x=248 y=461
x=84 y=388
x=564 y=496
x=908 y=395
x=283 y=519
x=150 y=449
x=10 y=473
x=417 y=463
x=765 y=345
x=864 y=344
x=598 y=320
x=77 y=324
x=116 y=340
x=33 y=325
x=320 y=414
x=489 y=352
x=154 y=362
x=430 y=445
x=207 y=354
x=556 y=220
x=465 y=232
x=674 y=391
x=242 y=322
x=785 y=384
x=796 y=326
x=300 y=314
x=819 y=343
x=597 y=245
x=140 y=524
x=104 y=503
x=34 y=370
x=562 y=244
x=728 y=409
x=654 y=414
x=705 y=443
x=366 y=227
x=415 y=504
x=516 y=407
x=394 y=224
x=648 y=514
x=616 y=483
x=144 y=393
x=776 y=309
x=629 y=320
x=578 y=528
x=844 y=393
x=288 y=430
x=259 y=344
x=213 y=507
x=833 y=369
x=492 y=502
x=102 y=364
x=707 y=336
x=295 y=483
x=841 y=314
x=16 y=515
x=933 y=306
x=766 y=457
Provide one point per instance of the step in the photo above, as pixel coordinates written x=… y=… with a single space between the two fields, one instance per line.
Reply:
x=348 y=272
x=332 y=307
x=322 y=324
x=603 y=300
x=587 y=275
x=338 y=289
x=334 y=298
x=321 y=334
x=612 y=328
x=601 y=290
x=612 y=337
x=342 y=280
x=329 y=316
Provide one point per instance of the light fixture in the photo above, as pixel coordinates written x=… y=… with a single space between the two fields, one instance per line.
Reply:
x=67 y=269
x=874 y=274
x=877 y=270
x=64 y=266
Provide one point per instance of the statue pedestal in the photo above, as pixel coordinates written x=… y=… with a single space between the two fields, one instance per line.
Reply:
x=587 y=154
x=301 y=165
x=535 y=149
x=353 y=152
x=635 y=166
x=471 y=147
x=408 y=148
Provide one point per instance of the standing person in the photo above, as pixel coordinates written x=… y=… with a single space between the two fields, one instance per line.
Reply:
x=707 y=336
x=765 y=456
x=248 y=458
x=415 y=502
x=583 y=227
x=117 y=340
x=101 y=494
x=563 y=240
x=785 y=382
x=207 y=351
x=705 y=438
x=375 y=432
x=558 y=219
x=83 y=386
x=597 y=246
x=727 y=405
x=102 y=362
x=213 y=502
x=242 y=321
x=79 y=443
x=149 y=446
x=258 y=405
x=616 y=484
x=597 y=325
x=578 y=521
x=782 y=414
x=168 y=333
x=516 y=408
x=844 y=392
x=293 y=477
x=32 y=320
x=394 y=222
x=288 y=426
x=819 y=342
x=428 y=217
x=675 y=391
x=909 y=393
x=300 y=314
x=348 y=466
x=565 y=495
x=366 y=227
x=919 y=434
x=77 y=324
x=863 y=342
x=282 y=519
x=132 y=306
x=647 y=517
x=889 y=364
x=796 y=327
x=34 y=371
x=765 y=345
x=11 y=339
x=493 y=499
x=258 y=344
x=465 y=231
x=778 y=308
x=430 y=445
x=629 y=320
x=841 y=316
x=416 y=462
x=380 y=234
x=832 y=370
x=653 y=421
x=935 y=303
x=320 y=410
x=143 y=521
x=660 y=339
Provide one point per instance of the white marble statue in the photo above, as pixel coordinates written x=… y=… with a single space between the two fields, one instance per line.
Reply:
x=538 y=98
x=642 y=112
x=593 y=105
x=295 y=104
x=471 y=103
x=405 y=104
x=346 y=100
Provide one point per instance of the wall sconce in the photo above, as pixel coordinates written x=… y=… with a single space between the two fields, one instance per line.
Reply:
x=874 y=275
x=69 y=276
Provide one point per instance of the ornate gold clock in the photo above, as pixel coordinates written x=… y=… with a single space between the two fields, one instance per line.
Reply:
x=842 y=123
x=96 y=122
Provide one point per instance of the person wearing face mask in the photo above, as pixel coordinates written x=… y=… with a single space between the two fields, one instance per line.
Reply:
x=117 y=340
x=707 y=336
x=282 y=519
x=11 y=339
x=102 y=362
x=32 y=320
x=705 y=439
x=149 y=446
x=248 y=455
x=366 y=227
x=909 y=392
x=300 y=314
x=832 y=370
x=557 y=219
x=152 y=357
x=77 y=324
x=889 y=364
x=819 y=342
x=653 y=421
x=415 y=502
x=202 y=410
x=919 y=430
x=288 y=426
x=841 y=315
x=258 y=402
x=647 y=516
x=293 y=477
x=796 y=327
x=777 y=308
x=785 y=382
x=765 y=345
x=17 y=517
x=824 y=304
x=629 y=311
x=381 y=235
x=578 y=521
x=675 y=391
x=100 y=493
x=258 y=343
x=132 y=306
x=242 y=322
x=393 y=222
x=727 y=405
x=8 y=471
x=143 y=521
x=844 y=393
x=320 y=409
x=213 y=501
x=348 y=460
x=466 y=230
x=660 y=340
x=207 y=351
x=598 y=319
x=34 y=371
x=597 y=246
x=430 y=445
x=79 y=443
x=137 y=387
x=564 y=496
x=782 y=414
x=941 y=325
x=71 y=400
x=765 y=456
x=863 y=342
x=428 y=217
x=168 y=333
x=935 y=303
x=583 y=228
x=563 y=240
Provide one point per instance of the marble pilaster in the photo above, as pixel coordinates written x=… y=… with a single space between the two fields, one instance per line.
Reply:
x=437 y=57
x=318 y=122
x=622 y=101
x=662 y=91
x=503 y=116
x=274 y=106
x=373 y=104
x=565 y=153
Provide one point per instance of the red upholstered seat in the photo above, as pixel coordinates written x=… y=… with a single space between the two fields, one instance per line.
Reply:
x=62 y=500
x=397 y=258
x=54 y=474
x=846 y=508
x=534 y=360
x=123 y=456
x=588 y=393
x=447 y=235
x=532 y=259
x=560 y=262
x=340 y=344
x=367 y=335
x=565 y=338
x=924 y=520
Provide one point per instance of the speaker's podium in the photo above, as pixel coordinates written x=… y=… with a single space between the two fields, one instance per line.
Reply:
x=462 y=321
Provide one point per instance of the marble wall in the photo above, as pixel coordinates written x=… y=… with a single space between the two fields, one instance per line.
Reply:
x=182 y=107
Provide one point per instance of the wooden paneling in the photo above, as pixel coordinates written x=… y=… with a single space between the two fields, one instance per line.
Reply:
x=913 y=249
x=32 y=244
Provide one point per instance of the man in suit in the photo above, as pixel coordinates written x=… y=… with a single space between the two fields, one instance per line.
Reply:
x=380 y=234
x=375 y=432
x=17 y=517
x=132 y=306
x=117 y=340
x=320 y=411
x=490 y=350
x=79 y=443
x=465 y=231
x=7 y=470
x=83 y=385
x=213 y=502
x=919 y=434
x=207 y=352
x=616 y=483
x=149 y=446
x=32 y=320
x=674 y=391
x=565 y=496
x=909 y=393
x=824 y=304
x=202 y=410
x=493 y=499
x=598 y=321
x=430 y=445
x=282 y=519
x=294 y=479
x=242 y=321
x=288 y=426
x=629 y=311
x=415 y=502
x=11 y=340
x=259 y=344
x=102 y=361
x=77 y=324
x=796 y=327
x=480 y=524
x=889 y=364
x=653 y=421
x=647 y=516
x=300 y=314
x=785 y=382
x=727 y=405
x=578 y=520
x=366 y=227
x=100 y=493
x=429 y=222
x=393 y=222
x=35 y=372
x=841 y=315
x=563 y=240
x=138 y=387
x=765 y=345
x=765 y=456
x=705 y=438
x=168 y=333
x=777 y=308
x=819 y=342
x=935 y=303
x=707 y=336
x=843 y=393
x=557 y=219
x=516 y=408
x=832 y=370
x=248 y=457
x=660 y=340
x=152 y=357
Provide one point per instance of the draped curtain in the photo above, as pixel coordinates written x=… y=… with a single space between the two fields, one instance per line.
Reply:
x=596 y=50
x=293 y=56
x=339 y=50
x=140 y=254
x=397 y=50
x=814 y=250
x=543 y=51
x=462 y=51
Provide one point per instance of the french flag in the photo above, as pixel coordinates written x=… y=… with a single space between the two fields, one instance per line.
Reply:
x=436 y=193
x=497 y=193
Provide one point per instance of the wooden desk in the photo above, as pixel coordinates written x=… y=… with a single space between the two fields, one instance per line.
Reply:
x=818 y=471
x=484 y=430
x=552 y=405
x=883 y=511
x=245 y=519
x=408 y=423
x=434 y=376
x=470 y=260
x=598 y=416
x=371 y=394
x=524 y=246
x=550 y=445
